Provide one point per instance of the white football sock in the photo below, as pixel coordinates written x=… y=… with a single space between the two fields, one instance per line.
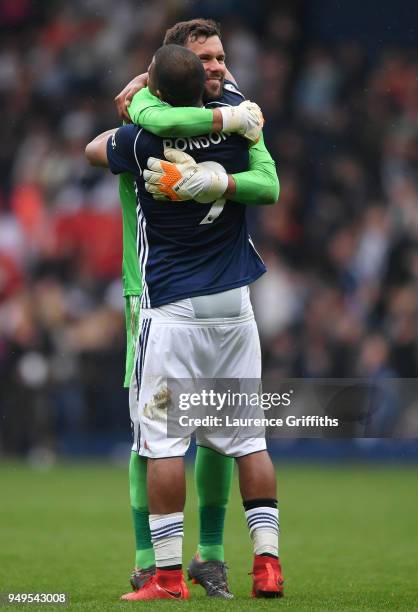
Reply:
x=167 y=538
x=263 y=523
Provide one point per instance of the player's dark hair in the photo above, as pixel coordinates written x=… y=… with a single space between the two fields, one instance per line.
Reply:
x=179 y=75
x=185 y=31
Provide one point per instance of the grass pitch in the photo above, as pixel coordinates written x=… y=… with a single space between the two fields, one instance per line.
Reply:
x=349 y=539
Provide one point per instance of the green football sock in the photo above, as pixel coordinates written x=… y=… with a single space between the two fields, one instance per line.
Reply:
x=144 y=556
x=213 y=477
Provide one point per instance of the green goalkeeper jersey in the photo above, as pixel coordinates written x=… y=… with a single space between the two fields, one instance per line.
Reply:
x=131 y=277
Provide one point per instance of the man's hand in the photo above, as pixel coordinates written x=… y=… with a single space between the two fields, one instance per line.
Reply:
x=124 y=98
x=181 y=178
x=245 y=119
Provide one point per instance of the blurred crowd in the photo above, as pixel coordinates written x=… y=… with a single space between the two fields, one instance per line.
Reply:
x=340 y=298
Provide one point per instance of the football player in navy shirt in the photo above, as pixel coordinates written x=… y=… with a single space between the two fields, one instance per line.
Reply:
x=197 y=321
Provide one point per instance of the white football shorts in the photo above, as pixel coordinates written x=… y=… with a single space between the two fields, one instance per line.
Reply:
x=206 y=337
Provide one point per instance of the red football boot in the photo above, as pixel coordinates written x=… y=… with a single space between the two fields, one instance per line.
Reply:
x=267 y=577
x=166 y=584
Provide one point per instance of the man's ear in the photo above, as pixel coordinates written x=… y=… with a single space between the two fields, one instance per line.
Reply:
x=158 y=94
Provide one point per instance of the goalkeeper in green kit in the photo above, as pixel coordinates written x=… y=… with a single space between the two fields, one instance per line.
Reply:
x=258 y=185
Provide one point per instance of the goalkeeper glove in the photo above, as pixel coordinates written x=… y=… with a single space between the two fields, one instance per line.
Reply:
x=245 y=119
x=181 y=178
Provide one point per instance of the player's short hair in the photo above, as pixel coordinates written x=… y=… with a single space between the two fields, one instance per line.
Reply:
x=179 y=75
x=185 y=31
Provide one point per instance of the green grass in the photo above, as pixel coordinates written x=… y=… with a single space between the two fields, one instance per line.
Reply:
x=349 y=539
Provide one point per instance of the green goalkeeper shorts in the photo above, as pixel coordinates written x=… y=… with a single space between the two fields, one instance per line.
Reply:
x=132 y=326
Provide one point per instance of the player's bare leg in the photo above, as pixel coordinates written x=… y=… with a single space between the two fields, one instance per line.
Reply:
x=258 y=489
x=257 y=478
x=166 y=485
x=166 y=498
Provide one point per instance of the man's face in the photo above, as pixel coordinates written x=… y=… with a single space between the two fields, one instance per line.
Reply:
x=212 y=54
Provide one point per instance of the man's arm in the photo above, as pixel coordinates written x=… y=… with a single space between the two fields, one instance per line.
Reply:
x=259 y=185
x=96 y=150
x=115 y=149
x=160 y=119
x=163 y=120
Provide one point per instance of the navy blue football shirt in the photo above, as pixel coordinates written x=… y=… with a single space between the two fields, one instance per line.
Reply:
x=188 y=249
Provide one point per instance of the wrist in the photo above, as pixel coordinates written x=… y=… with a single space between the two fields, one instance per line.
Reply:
x=219 y=185
x=211 y=182
x=218 y=124
x=231 y=119
x=232 y=186
x=141 y=80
